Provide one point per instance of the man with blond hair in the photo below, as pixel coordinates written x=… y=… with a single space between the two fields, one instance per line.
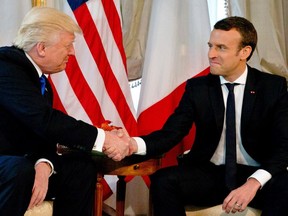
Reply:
x=30 y=129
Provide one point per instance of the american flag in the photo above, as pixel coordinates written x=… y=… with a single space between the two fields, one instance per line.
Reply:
x=94 y=86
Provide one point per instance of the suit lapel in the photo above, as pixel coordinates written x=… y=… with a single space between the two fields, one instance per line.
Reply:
x=215 y=92
x=250 y=94
x=217 y=102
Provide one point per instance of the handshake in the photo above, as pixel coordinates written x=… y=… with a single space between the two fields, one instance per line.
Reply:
x=118 y=144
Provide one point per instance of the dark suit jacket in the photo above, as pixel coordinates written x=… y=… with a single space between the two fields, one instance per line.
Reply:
x=29 y=125
x=264 y=120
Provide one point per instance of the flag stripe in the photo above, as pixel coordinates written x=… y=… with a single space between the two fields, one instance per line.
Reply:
x=94 y=79
x=113 y=53
x=115 y=26
x=56 y=99
x=68 y=98
x=171 y=101
x=95 y=45
x=81 y=87
x=157 y=117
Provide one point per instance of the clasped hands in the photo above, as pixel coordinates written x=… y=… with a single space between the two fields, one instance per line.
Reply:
x=118 y=144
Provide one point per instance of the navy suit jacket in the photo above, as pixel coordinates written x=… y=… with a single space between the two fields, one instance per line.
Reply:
x=264 y=120
x=29 y=125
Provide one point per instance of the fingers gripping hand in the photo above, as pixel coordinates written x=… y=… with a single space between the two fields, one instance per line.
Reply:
x=122 y=133
x=116 y=145
x=113 y=153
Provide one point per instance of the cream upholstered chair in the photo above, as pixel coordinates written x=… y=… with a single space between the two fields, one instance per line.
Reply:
x=45 y=209
x=217 y=211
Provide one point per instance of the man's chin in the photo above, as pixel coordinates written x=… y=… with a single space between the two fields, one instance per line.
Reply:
x=214 y=72
x=57 y=71
x=61 y=68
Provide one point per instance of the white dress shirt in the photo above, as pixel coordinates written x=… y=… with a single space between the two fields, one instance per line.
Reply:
x=219 y=156
x=242 y=156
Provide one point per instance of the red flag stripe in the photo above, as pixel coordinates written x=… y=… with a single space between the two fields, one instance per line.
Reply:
x=156 y=110
x=70 y=103
x=113 y=53
x=157 y=117
x=94 y=42
x=56 y=99
x=81 y=88
x=115 y=26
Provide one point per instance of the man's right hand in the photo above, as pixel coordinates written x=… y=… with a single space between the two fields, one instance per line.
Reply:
x=133 y=147
x=116 y=145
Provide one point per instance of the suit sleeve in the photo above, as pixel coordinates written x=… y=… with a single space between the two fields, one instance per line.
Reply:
x=277 y=159
x=175 y=128
x=21 y=99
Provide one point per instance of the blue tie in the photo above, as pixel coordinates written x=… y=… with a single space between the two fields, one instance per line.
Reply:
x=43 y=84
x=230 y=162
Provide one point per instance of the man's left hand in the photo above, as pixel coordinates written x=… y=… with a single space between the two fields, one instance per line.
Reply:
x=40 y=186
x=239 y=198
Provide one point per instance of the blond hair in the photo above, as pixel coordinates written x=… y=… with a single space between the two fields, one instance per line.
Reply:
x=41 y=24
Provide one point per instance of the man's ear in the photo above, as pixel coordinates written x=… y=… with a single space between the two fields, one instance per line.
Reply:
x=40 y=47
x=245 y=52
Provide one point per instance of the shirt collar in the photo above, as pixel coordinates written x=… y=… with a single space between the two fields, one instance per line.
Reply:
x=241 y=80
x=35 y=65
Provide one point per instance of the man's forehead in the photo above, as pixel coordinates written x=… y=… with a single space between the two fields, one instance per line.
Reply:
x=65 y=38
x=223 y=37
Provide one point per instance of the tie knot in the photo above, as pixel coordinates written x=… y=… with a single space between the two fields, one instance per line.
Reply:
x=230 y=86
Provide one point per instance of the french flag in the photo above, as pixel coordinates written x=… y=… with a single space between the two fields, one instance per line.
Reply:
x=176 y=51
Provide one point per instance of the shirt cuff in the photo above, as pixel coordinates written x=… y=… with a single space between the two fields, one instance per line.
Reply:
x=98 y=146
x=141 y=146
x=46 y=161
x=262 y=176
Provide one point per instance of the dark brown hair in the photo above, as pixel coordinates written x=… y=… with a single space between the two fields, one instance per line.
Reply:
x=244 y=27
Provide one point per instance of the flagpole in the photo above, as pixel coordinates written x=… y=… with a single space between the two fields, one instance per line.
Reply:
x=39 y=3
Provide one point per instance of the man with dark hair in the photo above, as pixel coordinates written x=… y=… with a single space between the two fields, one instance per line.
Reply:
x=240 y=153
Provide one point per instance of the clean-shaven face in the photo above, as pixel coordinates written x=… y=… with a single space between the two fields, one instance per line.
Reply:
x=225 y=57
x=57 y=53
